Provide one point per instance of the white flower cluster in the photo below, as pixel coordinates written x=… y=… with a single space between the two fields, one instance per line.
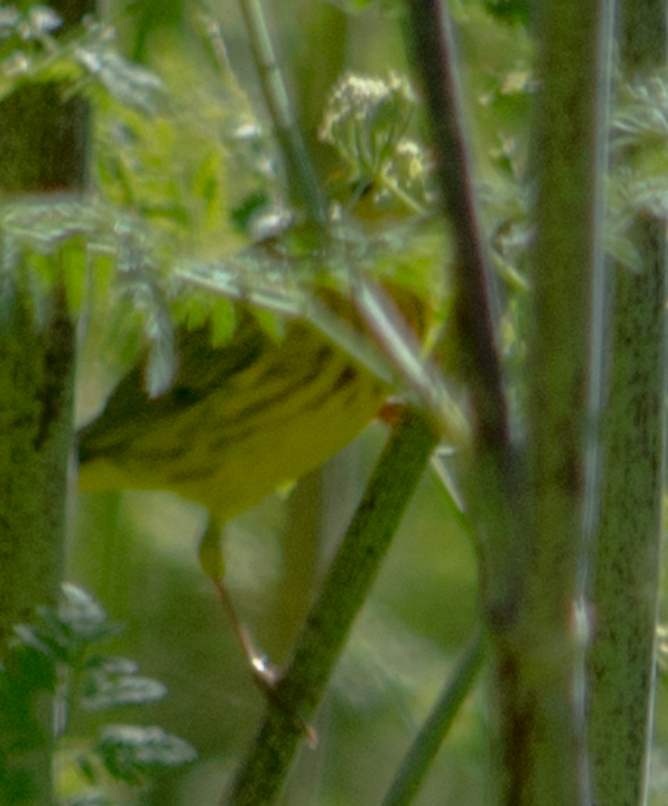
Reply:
x=366 y=117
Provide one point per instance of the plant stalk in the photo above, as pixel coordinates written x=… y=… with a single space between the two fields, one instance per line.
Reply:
x=344 y=590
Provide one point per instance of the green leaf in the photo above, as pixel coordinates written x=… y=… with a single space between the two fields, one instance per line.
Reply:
x=70 y=630
x=130 y=84
x=112 y=682
x=130 y=752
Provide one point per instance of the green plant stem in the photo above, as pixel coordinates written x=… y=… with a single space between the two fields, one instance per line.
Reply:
x=492 y=478
x=642 y=35
x=35 y=423
x=301 y=177
x=343 y=593
x=530 y=529
x=419 y=758
x=491 y=482
x=43 y=146
x=432 y=45
x=36 y=394
x=627 y=552
x=545 y=751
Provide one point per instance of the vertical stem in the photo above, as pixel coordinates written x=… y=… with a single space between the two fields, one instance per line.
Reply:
x=36 y=383
x=301 y=177
x=627 y=553
x=627 y=557
x=491 y=484
x=43 y=147
x=434 y=53
x=546 y=760
x=423 y=751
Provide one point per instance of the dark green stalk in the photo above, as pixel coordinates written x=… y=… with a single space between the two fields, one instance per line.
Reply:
x=343 y=593
x=432 y=47
x=545 y=751
x=492 y=482
x=418 y=760
x=43 y=147
x=625 y=583
x=625 y=587
x=36 y=403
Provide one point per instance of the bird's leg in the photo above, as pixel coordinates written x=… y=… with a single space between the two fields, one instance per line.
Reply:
x=211 y=559
x=265 y=675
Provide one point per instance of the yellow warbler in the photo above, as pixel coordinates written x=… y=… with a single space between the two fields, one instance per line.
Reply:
x=239 y=420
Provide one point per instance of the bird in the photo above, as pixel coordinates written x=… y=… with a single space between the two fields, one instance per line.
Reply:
x=239 y=420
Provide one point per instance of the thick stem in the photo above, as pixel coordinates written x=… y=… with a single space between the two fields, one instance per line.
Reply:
x=545 y=757
x=43 y=146
x=625 y=585
x=625 y=588
x=344 y=591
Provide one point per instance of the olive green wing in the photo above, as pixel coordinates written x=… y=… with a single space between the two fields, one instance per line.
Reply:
x=130 y=411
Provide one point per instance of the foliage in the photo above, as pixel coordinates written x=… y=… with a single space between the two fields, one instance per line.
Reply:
x=190 y=213
x=153 y=238
x=366 y=120
x=60 y=654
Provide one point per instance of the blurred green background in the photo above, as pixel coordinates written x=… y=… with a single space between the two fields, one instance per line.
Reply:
x=137 y=551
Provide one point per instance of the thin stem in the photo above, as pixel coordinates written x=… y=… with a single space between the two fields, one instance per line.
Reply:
x=426 y=745
x=301 y=177
x=492 y=482
x=433 y=52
